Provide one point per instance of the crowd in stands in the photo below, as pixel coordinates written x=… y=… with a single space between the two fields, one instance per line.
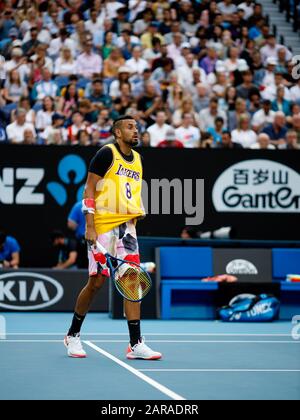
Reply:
x=193 y=73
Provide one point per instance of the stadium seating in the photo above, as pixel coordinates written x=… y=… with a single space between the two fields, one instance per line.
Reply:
x=285 y=261
x=181 y=269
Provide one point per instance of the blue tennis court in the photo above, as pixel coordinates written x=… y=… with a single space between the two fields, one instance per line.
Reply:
x=202 y=360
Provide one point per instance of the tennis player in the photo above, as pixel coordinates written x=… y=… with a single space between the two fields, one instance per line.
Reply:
x=112 y=204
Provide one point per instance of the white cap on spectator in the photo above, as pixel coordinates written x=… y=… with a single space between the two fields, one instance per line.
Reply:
x=271 y=61
x=242 y=65
x=185 y=45
x=17 y=43
x=124 y=69
x=16 y=52
x=170 y=135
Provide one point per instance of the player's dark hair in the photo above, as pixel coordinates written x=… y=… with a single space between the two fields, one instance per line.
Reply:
x=117 y=123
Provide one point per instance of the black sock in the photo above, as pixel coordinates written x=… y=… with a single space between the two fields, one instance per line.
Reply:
x=76 y=324
x=134 y=331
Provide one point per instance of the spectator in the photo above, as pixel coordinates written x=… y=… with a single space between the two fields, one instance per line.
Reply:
x=277 y=130
x=96 y=95
x=208 y=63
x=88 y=62
x=67 y=250
x=124 y=73
x=227 y=142
x=19 y=62
x=163 y=74
x=109 y=45
x=271 y=90
x=233 y=62
x=243 y=134
x=78 y=124
x=271 y=49
x=44 y=115
x=227 y=9
x=217 y=130
x=112 y=64
x=295 y=92
x=158 y=130
x=55 y=133
x=24 y=102
x=59 y=41
x=170 y=140
x=9 y=251
x=152 y=32
x=234 y=115
x=281 y=104
x=76 y=223
x=296 y=126
x=103 y=126
x=145 y=139
x=96 y=20
x=150 y=54
x=149 y=103
x=14 y=88
x=208 y=115
x=29 y=137
x=247 y=86
x=186 y=106
x=187 y=133
x=46 y=87
x=175 y=29
x=65 y=65
x=136 y=64
x=181 y=55
x=40 y=60
x=263 y=142
x=138 y=83
x=30 y=46
x=175 y=48
x=68 y=101
x=263 y=117
x=83 y=138
x=186 y=72
x=15 y=130
x=291 y=141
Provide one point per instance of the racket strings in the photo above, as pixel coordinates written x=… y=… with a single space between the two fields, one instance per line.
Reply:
x=133 y=283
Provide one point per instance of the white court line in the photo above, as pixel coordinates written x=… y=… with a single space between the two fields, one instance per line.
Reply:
x=140 y=375
x=164 y=334
x=219 y=370
x=31 y=341
x=162 y=341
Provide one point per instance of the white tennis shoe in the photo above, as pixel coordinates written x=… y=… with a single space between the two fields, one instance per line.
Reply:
x=74 y=346
x=142 y=351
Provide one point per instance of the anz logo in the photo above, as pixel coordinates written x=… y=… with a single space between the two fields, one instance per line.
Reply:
x=71 y=169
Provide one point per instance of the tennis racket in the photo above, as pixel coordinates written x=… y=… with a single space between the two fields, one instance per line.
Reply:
x=130 y=279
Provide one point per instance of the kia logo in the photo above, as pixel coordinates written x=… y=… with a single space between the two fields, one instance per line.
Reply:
x=25 y=291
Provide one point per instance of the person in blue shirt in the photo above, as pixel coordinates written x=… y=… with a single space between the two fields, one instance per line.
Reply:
x=76 y=220
x=76 y=223
x=9 y=251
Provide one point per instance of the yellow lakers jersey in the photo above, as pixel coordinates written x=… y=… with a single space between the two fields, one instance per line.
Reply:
x=118 y=194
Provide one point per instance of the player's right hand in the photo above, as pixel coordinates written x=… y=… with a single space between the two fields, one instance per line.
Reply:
x=91 y=235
